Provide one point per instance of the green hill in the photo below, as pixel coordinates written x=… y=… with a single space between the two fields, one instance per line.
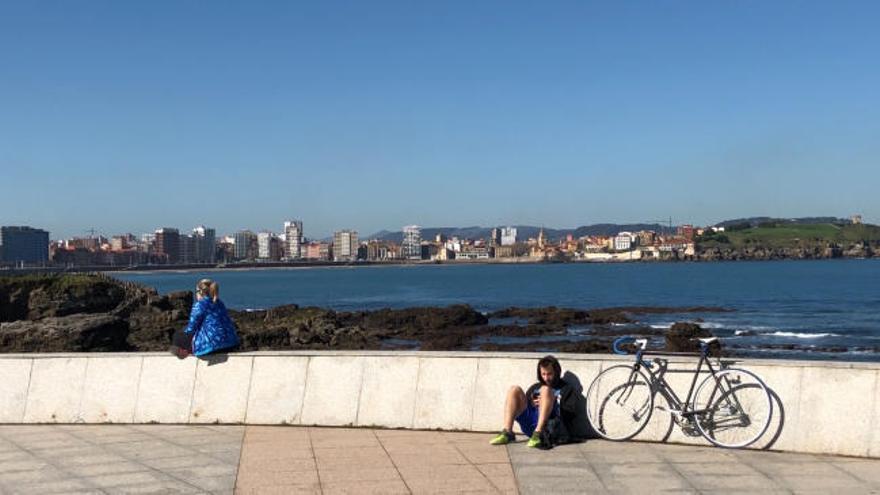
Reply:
x=782 y=235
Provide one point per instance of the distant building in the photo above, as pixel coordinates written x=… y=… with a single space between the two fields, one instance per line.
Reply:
x=646 y=237
x=245 y=245
x=293 y=235
x=495 y=237
x=345 y=245
x=382 y=251
x=148 y=243
x=187 y=249
x=205 y=244
x=473 y=253
x=624 y=241
x=123 y=242
x=87 y=243
x=508 y=236
x=268 y=246
x=319 y=251
x=677 y=244
x=856 y=219
x=542 y=239
x=411 y=248
x=687 y=231
x=167 y=242
x=23 y=244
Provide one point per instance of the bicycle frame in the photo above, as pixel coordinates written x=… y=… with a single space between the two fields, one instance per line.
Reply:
x=659 y=383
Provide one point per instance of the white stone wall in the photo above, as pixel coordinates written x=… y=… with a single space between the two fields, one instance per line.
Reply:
x=824 y=407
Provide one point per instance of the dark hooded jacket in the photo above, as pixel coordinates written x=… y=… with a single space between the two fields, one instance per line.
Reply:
x=569 y=398
x=568 y=401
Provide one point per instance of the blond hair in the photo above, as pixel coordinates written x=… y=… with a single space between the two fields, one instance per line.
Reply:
x=208 y=287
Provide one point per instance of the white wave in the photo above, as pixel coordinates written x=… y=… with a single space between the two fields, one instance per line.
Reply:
x=712 y=325
x=660 y=327
x=798 y=335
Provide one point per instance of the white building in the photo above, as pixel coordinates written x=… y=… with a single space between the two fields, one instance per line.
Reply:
x=345 y=245
x=508 y=236
x=293 y=234
x=264 y=245
x=624 y=241
x=411 y=248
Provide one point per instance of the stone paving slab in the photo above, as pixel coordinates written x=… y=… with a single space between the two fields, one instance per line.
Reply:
x=280 y=459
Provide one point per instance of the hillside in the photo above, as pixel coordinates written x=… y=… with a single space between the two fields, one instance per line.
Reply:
x=770 y=235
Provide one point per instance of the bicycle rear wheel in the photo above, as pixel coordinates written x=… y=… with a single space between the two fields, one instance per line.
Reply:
x=619 y=402
x=736 y=408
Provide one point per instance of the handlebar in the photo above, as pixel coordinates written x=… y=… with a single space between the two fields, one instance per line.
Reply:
x=640 y=344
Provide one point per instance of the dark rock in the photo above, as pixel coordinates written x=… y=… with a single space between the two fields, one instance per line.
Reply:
x=73 y=333
x=549 y=315
x=414 y=320
x=34 y=297
x=681 y=338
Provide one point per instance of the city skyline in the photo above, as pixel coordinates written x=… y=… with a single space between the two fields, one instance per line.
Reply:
x=122 y=117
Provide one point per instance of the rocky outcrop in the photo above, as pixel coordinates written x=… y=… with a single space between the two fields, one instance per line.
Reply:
x=682 y=337
x=96 y=313
x=807 y=252
x=73 y=333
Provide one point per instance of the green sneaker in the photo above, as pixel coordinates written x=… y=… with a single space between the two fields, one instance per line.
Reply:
x=503 y=438
x=535 y=440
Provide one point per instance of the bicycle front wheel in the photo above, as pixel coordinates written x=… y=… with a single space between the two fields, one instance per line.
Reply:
x=734 y=408
x=620 y=402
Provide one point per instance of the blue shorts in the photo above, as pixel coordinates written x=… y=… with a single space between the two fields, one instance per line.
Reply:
x=528 y=419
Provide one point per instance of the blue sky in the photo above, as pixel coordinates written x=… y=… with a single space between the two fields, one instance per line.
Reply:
x=127 y=116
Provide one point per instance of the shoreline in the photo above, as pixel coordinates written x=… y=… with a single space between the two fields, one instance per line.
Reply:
x=147 y=269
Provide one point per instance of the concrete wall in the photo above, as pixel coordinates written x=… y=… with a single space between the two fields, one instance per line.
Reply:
x=823 y=407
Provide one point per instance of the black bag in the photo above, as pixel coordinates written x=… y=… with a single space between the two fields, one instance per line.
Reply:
x=554 y=433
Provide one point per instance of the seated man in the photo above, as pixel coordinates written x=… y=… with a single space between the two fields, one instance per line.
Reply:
x=549 y=398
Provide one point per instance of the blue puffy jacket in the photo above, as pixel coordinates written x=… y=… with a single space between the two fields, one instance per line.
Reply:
x=214 y=329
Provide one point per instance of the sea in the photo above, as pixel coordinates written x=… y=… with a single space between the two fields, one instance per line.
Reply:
x=824 y=309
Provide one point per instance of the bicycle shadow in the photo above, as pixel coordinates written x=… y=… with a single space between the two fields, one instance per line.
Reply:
x=777 y=423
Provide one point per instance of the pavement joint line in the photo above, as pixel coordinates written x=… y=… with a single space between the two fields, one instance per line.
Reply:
x=149 y=468
x=315 y=459
x=512 y=467
x=744 y=459
x=405 y=484
x=52 y=464
x=240 y=455
x=840 y=469
x=466 y=458
x=187 y=447
x=681 y=475
x=592 y=467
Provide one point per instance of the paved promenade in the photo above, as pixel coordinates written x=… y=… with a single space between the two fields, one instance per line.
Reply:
x=236 y=459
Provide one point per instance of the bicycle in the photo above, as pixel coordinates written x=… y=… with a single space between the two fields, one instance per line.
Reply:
x=730 y=408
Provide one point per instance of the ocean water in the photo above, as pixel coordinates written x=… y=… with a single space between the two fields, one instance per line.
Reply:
x=781 y=308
